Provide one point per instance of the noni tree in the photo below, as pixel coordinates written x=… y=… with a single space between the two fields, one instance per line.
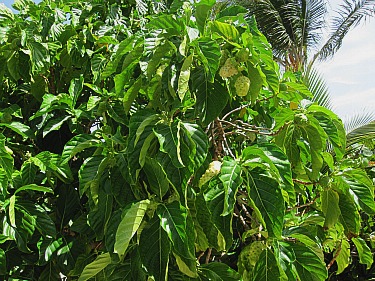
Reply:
x=160 y=141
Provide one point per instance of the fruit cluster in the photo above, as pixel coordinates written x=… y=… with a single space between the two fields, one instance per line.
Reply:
x=232 y=69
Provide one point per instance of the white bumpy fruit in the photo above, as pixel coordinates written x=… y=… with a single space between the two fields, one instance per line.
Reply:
x=242 y=86
x=229 y=68
x=212 y=170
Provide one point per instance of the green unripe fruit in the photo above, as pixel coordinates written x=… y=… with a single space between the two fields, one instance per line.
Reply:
x=324 y=181
x=242 y=86
x=243 y=55
x=283 y=87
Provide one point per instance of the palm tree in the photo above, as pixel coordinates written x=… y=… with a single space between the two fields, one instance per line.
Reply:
x=295 y=28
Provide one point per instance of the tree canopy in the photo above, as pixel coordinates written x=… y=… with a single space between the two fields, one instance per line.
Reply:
x=153 y=140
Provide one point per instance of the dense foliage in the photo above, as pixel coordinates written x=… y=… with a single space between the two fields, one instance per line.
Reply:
x=160 y=141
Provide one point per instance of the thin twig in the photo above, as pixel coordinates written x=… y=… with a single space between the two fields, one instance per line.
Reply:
x=208 y=255
x=235 y=110
x=334 y=257
x=304 y=205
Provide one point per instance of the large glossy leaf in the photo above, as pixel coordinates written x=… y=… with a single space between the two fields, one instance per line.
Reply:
x=99 y=216
x=300 y=261
x=183 y=79
x=361 y=188
x=349 y=215
x=231 y=179
x=156 y=177
x=6 y=160
x=330 y=207
x=228 y=31
x=92 y=269
x=214 y=198
x=34 y=187
x=43 y=222
x=211 y=97
x=266 y=268
x=265 y=192
x=214 y=237
x=364 y=252
x=343 y=257
x=170 y=142
x=202 y=13
x=219 y=272
x=20 y=129
x=200 y=141
x=129 y=225
x=282 y=164
x=173 y=219
x=77 y=144
x=209 y=53
x=90 y=171
x=28 y=172
x=154 y=248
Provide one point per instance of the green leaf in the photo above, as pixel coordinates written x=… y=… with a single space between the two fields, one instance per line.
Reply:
x=28 y=172
x=265 y=192
x=55 y=124
x=6 y=160
x=154 y=248
x=231 y=179
x=90 y=171
x=5 y=12
x=129 y=225
x=39 y=56
x=343 y=257
x=12 y=211
x=330 y=207
x=266 y=268
x=301 y=262
x=211 y=97
x=92 y=269
x=173 y=218
x=228 y=31
x=156 y=177
x=364 y=252
x=34 y=187
x=209 y=53
x=99 y=216
x=200 y=140
x=3 y=262
x=183 y=79
x=43 y=221
x=76 y=145
x=214 y=198
x=170 y=142
x=75 y=89
x=219 y=272
x=131 y=94
x=202 y=10
x=20 y=129
x=349 y=215
x=170 y=23
x=203 y=215
x=282 y=164
x=361 y=188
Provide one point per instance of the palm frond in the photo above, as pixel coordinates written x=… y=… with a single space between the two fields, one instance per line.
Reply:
x=359 y=128
x=349 y=15
x=318 y=87
x=270 y=22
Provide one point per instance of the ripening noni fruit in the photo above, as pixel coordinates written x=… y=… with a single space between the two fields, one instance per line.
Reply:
x=242 y=86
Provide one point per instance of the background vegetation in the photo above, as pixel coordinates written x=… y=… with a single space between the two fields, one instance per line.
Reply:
x=160 y=141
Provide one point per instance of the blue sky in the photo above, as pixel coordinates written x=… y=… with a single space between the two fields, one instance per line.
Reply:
x=350 y=75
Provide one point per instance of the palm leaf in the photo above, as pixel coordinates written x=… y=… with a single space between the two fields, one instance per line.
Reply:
x=318 y=87
x=349 y=15
x=359 y=128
